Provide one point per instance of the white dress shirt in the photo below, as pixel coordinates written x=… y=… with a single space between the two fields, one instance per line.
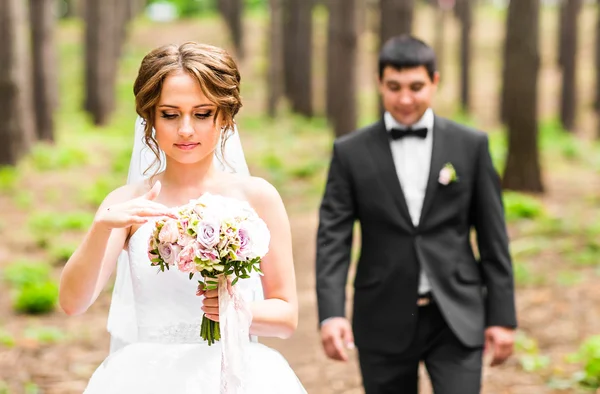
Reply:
x=412 y=159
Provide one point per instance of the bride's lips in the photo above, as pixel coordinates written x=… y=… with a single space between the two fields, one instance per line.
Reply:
x=187 y=145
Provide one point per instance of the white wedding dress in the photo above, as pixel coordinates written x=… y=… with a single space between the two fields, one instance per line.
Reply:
x=169 y=356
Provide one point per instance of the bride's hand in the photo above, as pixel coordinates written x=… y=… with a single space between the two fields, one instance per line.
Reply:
x=136 y=211
x=210 y=303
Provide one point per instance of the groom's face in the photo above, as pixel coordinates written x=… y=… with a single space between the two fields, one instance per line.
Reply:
x=407 y=93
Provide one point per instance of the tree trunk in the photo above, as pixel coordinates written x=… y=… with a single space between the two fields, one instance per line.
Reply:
x=42 y=23
x=562 y=32
x=522 y=64
x=103 y=33
x=342 y=49
x=395 y=18
x=568 y=104
x=232 y=11
x=466 y=19
x=275 y=66
x=597 y=63
x=298 y=55
x=17 y=125
x=439 y=42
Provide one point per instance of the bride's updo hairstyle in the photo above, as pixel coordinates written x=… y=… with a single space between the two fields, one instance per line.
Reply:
x=213 y=68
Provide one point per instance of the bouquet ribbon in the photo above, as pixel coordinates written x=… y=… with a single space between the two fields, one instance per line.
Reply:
x=235 y=318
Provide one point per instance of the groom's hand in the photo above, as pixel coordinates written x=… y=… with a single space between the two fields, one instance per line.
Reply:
x=500 y=341
x=336 y=337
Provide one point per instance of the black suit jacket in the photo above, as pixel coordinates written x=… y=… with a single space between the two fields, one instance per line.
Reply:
x=363 y=186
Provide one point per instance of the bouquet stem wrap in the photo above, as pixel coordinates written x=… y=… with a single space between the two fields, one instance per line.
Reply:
x=235 y=318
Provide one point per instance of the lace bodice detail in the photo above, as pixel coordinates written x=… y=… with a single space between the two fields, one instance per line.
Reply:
x=166 y=305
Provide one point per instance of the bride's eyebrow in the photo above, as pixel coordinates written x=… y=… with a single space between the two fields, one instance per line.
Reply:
x=207 y=105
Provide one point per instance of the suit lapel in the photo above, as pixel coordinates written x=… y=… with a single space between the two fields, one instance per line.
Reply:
x=438 y=159
x=384 y=161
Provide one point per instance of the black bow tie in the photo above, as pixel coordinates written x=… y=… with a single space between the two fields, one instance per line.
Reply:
x=397 y=134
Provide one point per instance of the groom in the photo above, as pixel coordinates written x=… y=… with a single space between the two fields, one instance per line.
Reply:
x=417 y=183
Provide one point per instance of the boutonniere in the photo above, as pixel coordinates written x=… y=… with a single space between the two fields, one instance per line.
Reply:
x=447 y=175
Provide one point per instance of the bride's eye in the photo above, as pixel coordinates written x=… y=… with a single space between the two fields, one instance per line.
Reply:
x=168 y=116
x=204 y=115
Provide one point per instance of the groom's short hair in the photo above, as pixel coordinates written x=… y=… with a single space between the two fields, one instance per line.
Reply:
x=406 y=51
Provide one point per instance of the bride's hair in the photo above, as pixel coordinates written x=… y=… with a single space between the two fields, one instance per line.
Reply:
x=213 y=68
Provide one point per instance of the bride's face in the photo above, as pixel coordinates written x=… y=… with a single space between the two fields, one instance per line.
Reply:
x=184 y=121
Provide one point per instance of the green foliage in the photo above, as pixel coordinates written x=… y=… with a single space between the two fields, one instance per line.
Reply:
x=527 y=246
x=569 y=278
x=528 y=353
x=36 y=298
x=9 y=176
x=23 y=199
x=25 y=273
x=554 y=138
x=45 y=335
x=34 y=291
x=589 y=356
x=61 y=252
x=498 y=150
x=45 y=225
x=6 y=340
x=46 y=157
x=4 y=389
x=189 y=8
x=95 y=194
x=31 y=388
x=521 y=206
x=524 y=276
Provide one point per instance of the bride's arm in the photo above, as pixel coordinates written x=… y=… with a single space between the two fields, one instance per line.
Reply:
x=88 y=269
x=277 y=314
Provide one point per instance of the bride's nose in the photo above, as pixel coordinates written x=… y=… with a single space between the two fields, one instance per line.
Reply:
x=186 y=127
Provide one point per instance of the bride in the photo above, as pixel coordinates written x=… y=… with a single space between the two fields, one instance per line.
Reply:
x=188 y=96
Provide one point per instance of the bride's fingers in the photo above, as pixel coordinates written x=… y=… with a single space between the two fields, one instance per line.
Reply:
x=211 y=302
x=210 y=311
x=150 y=212
x=211 y=293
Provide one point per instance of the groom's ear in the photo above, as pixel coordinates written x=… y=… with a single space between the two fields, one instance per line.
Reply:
x=436 y=78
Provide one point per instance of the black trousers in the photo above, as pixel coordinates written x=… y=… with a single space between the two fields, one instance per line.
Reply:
x=452 y=367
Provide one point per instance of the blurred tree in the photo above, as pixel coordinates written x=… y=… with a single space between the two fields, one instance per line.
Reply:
x=232 y=11
x=17 y=125
x=441 y=11
x=42 y=22
x=395 y=18
x=105 y=33
x=464 y=11
x=297 y=54
x=597 y=62
x=342 y=49
x=568 y=105
x=520 y=80
x=275 y=63
x=562 y=14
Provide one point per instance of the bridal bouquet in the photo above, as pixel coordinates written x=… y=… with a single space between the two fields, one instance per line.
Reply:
x=215 y=237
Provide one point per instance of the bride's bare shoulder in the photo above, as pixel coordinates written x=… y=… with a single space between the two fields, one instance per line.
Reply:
x=260 y=192
x=127 y=192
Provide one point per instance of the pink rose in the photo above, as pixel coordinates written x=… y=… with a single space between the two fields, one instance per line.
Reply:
x=185 y=239
x=245 y=244
x=207 y=255
x=208 y=233
x=445 y=176
x=185 y=260
x=169 y=252
x=169 y=232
